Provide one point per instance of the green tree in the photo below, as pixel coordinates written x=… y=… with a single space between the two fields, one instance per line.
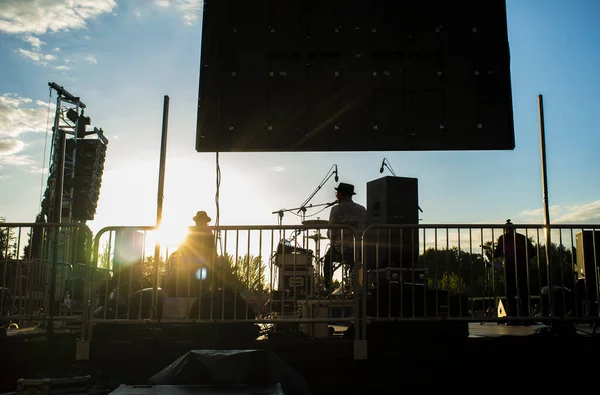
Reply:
x=8 y=244
x=248 y=270
x=458 y=271
x=148 y=271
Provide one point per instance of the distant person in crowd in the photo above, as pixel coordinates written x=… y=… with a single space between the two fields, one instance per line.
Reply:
x=346 y=212
x=517 y=250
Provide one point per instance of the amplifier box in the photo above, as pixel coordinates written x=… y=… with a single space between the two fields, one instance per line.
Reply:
x=289 y=261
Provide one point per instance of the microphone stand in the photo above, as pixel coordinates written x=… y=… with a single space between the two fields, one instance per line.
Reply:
x=301 y=208
x=304 y=206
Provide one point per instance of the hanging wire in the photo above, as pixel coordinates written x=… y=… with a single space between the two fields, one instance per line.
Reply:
x=45 y=145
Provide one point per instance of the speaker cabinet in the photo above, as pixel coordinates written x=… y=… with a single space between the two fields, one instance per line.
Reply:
x=588 y=261
x=392 y=201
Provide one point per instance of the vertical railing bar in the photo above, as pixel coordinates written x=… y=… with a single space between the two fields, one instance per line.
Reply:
x=538 y=258
x=225 y=259
x=562 y=271
x=109 y=268
x=20 y=281
x=460 y=276
x=425 y=279
x=152 y=274
x=261 y=286
x=575 y=274
x=271 y=270
x=187 y=258
x=30 y=277
x=412 y=266
x=527 y=274
x=596 y=275
x=448 y=268
x=437 y=298
x=248 y=263
x=4 y=271
x=237 y=255
x=471 y=274
x=494 y=291
x=402 y=273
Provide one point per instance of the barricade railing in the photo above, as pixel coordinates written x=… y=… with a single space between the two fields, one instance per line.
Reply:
x=472 y=272
x=40 y=265
x=270 y=276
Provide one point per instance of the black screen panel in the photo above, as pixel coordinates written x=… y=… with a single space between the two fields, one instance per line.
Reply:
x=354 y=75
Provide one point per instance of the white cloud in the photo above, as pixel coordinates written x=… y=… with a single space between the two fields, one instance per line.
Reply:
x=35 y=56
x=22 y=161
x=14 y=119
x=34 y=41
x=190 y=9
x=9 y=146
x=18 y=160
x=42 y=16
x=20 y=115
x=583 y=214
x=91 y=59
x=57 y=49
x=62 y=67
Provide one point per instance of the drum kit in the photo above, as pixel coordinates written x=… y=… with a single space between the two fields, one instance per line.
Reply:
x=317 y=237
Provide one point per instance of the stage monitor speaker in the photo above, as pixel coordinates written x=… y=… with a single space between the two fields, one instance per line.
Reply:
x=588 y=260
x=392 y=201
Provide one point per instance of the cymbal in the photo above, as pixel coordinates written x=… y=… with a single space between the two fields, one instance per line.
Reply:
x=317 y=237
x=315 y=222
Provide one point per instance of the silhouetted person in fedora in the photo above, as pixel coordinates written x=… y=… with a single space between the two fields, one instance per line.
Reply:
x=198 y=248
x=346 y=212
x=517 y=250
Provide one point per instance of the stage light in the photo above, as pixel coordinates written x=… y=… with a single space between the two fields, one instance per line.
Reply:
x=72 y=115
x=82 y=122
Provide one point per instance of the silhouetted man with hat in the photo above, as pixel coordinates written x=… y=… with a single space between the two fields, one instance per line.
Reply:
x=199 y=247
x=346 y=212
x=517 y=250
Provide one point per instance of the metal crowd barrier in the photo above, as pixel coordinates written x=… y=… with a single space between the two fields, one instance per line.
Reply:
x=458 y=272
x=42 y=270
x=272 y=276
x=267 y=276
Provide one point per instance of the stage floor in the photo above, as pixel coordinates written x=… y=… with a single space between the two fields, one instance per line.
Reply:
x=476 y=330
x=122 y=354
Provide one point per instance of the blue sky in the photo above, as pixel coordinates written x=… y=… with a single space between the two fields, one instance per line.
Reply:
x=122 y=57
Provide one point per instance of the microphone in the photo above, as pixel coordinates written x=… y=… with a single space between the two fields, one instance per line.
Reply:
x=336 y=175
x=382 y=164
x=332 y=203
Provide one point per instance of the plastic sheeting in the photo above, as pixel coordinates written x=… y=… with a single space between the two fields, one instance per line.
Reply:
x=230 y=367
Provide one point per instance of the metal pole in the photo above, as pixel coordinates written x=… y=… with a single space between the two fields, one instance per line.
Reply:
x=160 y=196
x=59 y=170
x=545 y=201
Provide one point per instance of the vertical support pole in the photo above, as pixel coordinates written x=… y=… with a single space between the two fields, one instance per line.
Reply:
x=159 y=202
x=60 y=142
x=545 y=202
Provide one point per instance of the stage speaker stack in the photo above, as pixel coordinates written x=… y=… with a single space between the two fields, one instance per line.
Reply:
x=392 y=201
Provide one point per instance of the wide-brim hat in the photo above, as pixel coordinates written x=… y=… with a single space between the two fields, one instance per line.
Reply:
x=202 y=216
x=347 y=189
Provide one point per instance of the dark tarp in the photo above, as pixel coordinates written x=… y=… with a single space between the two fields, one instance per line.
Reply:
x=227 y=367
